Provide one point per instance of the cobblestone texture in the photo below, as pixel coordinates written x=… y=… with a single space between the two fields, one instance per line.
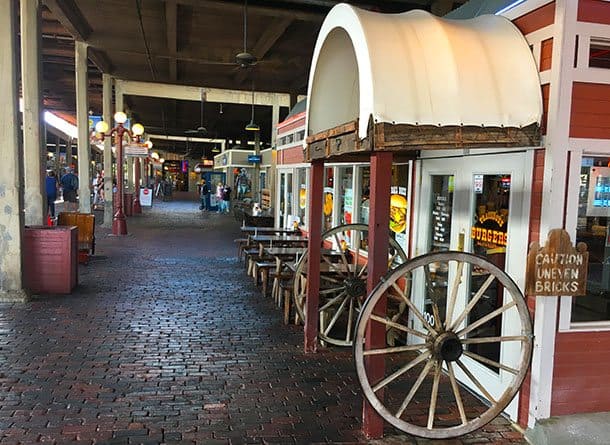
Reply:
x=167 y=341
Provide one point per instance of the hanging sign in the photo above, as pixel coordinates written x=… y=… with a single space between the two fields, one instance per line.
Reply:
x=254 y=159
x=135 y=150
x=490 y=229
x=558 y=268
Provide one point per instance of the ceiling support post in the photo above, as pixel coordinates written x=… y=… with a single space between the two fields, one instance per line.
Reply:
x=82 y=123
x=107 y=117
x=34 y=152
x=11 y=219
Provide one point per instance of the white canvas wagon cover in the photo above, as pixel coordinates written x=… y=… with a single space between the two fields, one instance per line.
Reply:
x=418 y=69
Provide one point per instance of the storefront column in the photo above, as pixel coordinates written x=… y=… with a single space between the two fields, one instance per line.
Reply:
x=11 y=219
x=316 y=188
x=275 y=119
x=107 y=116
x=130 y=176
x=379 y=239
x=57 y=157
x=82 y=123
x=34 y=163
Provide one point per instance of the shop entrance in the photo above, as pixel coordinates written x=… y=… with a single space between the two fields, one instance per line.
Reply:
x=479 y=204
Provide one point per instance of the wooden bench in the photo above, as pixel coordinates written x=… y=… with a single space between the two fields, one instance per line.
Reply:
x=85 y=222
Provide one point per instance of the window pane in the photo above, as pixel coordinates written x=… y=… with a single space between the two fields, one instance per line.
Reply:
x=365 y=181
x=599 y=53
x=346 y=175
x=302 y=184
x=592 y=229
x=327 y=203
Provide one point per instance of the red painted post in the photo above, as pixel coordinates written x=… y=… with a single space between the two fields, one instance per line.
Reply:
x=119 y=224
x=137 y=208
x=379 y=234
x=316 y=188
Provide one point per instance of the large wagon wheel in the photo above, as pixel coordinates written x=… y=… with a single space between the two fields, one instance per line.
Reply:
x=343 y=275
x=448 y=341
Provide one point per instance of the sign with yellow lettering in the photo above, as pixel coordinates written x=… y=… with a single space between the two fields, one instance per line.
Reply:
x=489 y=231
x=558 y=268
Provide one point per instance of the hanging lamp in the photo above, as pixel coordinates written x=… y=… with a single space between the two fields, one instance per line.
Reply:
x=252 y=126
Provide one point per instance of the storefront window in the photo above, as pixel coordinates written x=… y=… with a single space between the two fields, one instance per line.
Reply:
x=364 y=183
x=346 y=191
x=302 y=188
x=282 y=196
x=289 y=215
x=592 y=229
x=398 y=205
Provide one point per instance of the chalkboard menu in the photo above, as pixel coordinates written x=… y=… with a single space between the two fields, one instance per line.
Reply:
x=441 y=221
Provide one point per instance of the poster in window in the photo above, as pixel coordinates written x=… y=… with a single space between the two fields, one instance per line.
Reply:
x=328 y=201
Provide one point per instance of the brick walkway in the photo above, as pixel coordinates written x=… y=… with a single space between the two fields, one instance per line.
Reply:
x=167 y=341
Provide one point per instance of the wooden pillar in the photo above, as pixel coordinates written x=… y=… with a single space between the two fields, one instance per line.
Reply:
x=316 y=188
x=11 y=217
x=34 y=201
x=82 y=120
x=275 y=119
x=107 y=116
x=379 y=239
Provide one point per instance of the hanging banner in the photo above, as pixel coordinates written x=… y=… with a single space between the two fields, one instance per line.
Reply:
x=558 y=268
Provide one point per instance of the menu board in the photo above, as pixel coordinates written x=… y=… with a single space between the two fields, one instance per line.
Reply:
x=441 y=221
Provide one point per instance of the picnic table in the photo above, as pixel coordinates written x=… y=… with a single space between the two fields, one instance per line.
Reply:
x=268 y=230
x=279 y=239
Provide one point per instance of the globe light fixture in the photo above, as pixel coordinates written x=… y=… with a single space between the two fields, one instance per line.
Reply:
x=149 y=144
x=120 y=117
x=137 y=129
x=101 y=127
x=161 y=160
x=154 y=155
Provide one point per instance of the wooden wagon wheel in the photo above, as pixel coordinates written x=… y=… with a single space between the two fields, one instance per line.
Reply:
x=343 y=274
x=450 y=340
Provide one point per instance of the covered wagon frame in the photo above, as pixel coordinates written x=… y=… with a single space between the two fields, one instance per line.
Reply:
x=384 y=87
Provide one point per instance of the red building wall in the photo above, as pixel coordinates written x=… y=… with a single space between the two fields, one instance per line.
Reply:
x=594 y=11
x=590 y=116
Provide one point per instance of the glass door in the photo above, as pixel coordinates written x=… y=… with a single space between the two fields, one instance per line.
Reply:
x=476 y=204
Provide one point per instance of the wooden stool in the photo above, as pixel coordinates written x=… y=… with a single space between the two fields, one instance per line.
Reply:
x=263 y=267
x=241 y=244
x=286 y=287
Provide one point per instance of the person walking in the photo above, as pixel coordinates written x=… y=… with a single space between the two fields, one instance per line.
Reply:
x=226 y=198
x=69 y=185
x=204 y=191
x=219 y=197
x=51 y=189
x=98 y=186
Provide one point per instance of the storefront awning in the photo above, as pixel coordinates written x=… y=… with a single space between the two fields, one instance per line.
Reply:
x=418 y=69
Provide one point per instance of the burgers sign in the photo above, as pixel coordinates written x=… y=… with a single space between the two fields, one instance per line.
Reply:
x=398 y=210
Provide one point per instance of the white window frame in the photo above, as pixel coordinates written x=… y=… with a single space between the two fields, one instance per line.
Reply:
x=595 y=147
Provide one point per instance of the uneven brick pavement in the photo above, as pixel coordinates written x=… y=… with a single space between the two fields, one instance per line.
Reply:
x=166 y=340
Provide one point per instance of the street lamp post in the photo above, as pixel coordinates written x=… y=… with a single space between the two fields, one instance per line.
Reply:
x=119 y=223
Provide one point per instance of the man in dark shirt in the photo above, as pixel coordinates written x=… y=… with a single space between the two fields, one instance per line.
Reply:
x=69 y=184
x=51 y=188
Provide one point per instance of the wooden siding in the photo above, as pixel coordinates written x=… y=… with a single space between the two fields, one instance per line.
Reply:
x=534 y=235
x=594 y=11
x=546 y=54
x=536 y=19
x=580 y=377
x=546 y=91
x=590 y=116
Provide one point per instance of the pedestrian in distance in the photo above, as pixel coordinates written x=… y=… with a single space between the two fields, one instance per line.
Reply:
x=51 y=189
x=69 y=185
x=204 y=191
x=219 y=196
x=226 y=198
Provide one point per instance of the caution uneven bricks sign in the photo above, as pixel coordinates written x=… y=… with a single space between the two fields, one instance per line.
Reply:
x=558 y=268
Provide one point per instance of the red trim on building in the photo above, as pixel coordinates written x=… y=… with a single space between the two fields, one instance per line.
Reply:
x=536 y=19
x=292 y=155
x=546 y=54
x=594 y=11
x=580 y=375
x=546 y=91
x=296 y=121
x=590 y=116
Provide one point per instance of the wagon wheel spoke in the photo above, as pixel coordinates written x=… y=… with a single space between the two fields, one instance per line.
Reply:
x=473 y=302
x=365 y=266
x=332 y=266
x=434 y=395
x=329 y=279
x=395 y=349
x=486 y=318
x=389 y=379
x=340 y=310
x=343 y=257
x=453 y=294
x=490 y=362
x=350 y=320
x=479 y=340
x=474 y=380
x=420 y=379
x=332 y=291
x=392 y=258
x=414 y=310
x=456 y=394
x=399 y=326
x=332 y=301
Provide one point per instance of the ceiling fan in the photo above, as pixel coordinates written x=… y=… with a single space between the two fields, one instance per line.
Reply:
x=201 y=130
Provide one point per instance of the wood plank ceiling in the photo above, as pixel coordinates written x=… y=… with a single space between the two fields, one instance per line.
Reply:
x=190 y=42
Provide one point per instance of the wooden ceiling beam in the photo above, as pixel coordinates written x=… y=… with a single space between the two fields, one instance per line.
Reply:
x=101 y=60
x=71 y=18
x=265 y=43
x=269 y=11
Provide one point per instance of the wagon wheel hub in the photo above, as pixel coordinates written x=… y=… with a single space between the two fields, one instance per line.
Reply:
x=355 y=287
x=448 y=347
